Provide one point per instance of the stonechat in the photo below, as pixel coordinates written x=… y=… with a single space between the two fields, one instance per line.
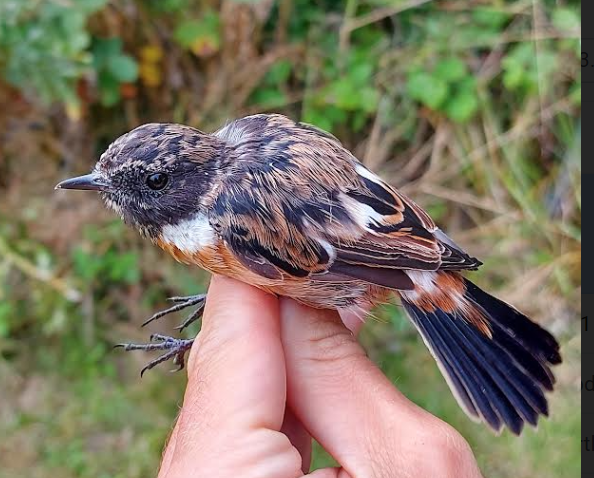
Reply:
x=283 y=206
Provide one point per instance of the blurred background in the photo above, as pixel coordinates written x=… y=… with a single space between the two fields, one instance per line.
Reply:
x=472 y=108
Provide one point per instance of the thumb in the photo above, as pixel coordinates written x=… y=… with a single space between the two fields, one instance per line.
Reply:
x=236 y=382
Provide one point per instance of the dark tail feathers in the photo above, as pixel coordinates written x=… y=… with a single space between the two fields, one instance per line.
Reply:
x=499 y=379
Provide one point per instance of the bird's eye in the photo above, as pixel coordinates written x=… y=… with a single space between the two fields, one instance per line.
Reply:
x=157 y=181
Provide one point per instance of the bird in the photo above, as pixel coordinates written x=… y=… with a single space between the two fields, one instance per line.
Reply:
x=284 y=206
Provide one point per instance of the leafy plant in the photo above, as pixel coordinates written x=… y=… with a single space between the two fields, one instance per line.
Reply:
x=448 y=88
x=113 y=68
x=270 y=93
x=201 y=36
x=44 y=46
x=524 y=69
x=348 y=94
x=113 y=265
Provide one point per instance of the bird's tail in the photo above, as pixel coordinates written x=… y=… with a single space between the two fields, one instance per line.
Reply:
x=496 y=361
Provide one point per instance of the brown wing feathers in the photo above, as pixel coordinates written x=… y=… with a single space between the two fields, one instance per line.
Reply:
x=296 y=202
x=406 y=237
x=397 y=237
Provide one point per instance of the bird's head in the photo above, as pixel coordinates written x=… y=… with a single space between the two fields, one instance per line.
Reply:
x=155 y=175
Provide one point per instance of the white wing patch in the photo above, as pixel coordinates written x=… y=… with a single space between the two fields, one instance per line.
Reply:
x=330 y=250
x=191 y=235
x=365 y=173
x=424 y=282
x=362 y=214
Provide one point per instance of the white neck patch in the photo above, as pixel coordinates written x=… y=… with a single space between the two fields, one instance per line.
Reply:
x=190 y=235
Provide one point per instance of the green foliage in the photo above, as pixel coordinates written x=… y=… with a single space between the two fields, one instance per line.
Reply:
x=44 y=45
x=168 y=6
x=494 y=19
x=113 y=67
x=427 y=89
x=348 y=95
x=524 y=70
x=6 y=311
x=200 y=36
x=113 y=265
x=566 y=19
x=270 y=93
x=448 y=88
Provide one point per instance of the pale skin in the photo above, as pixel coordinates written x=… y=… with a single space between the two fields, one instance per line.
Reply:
x=266 y=374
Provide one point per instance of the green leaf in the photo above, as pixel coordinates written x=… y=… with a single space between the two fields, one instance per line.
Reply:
x=473 y=36
x=575 y=93
x=318 y=119
x=524 y=69
x=279 y=72
x=123 y=68
x=361 y=73
x=268 y=97
x=462 y=106
x=427 y=89
x=566 y=19
x=110 y=96
x=124 y=267
x=513 y=75
x=368 y=99
x=104 y=49
x=109 y=88
x=450 y=70
x=467 y=83
x=200 y=36
x=86 y=265
x=6 y=311
x=358 y=121
x=343 y=94
x=187 y=32
x=490 y=17
x=168 y=5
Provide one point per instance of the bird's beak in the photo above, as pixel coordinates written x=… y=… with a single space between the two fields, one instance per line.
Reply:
x=88 y=182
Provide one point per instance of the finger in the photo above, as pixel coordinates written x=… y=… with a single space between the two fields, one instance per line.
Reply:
x=353 y=320
x=236 y=372
x=299 y=438
x=169 y=451
x=348 y=405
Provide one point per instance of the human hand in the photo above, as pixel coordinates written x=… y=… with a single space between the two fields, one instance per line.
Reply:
x=265 y=375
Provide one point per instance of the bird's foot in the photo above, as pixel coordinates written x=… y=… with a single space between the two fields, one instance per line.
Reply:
x=180 y=304
x=174 y=349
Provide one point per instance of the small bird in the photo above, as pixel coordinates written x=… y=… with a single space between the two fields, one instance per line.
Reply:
x=283 y=206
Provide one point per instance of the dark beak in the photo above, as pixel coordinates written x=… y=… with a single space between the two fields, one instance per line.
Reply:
x=88 y=182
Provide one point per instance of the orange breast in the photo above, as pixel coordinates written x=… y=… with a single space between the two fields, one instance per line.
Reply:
x=219 y=259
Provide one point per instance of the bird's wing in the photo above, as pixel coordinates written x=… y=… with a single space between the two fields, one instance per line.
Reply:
x=302 y=205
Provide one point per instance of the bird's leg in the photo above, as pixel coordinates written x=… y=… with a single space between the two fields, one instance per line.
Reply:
x=174 y=349
x=180 y=304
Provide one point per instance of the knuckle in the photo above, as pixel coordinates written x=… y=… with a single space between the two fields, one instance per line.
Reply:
x=330 y=343
x=274 y=456
x=451 y=453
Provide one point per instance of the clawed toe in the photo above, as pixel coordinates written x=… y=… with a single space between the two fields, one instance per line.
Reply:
x=193 y=317
x=174 y=349
x=180 y=304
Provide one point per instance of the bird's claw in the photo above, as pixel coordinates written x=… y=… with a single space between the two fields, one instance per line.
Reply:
x=180 y=304
x=174 y=349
